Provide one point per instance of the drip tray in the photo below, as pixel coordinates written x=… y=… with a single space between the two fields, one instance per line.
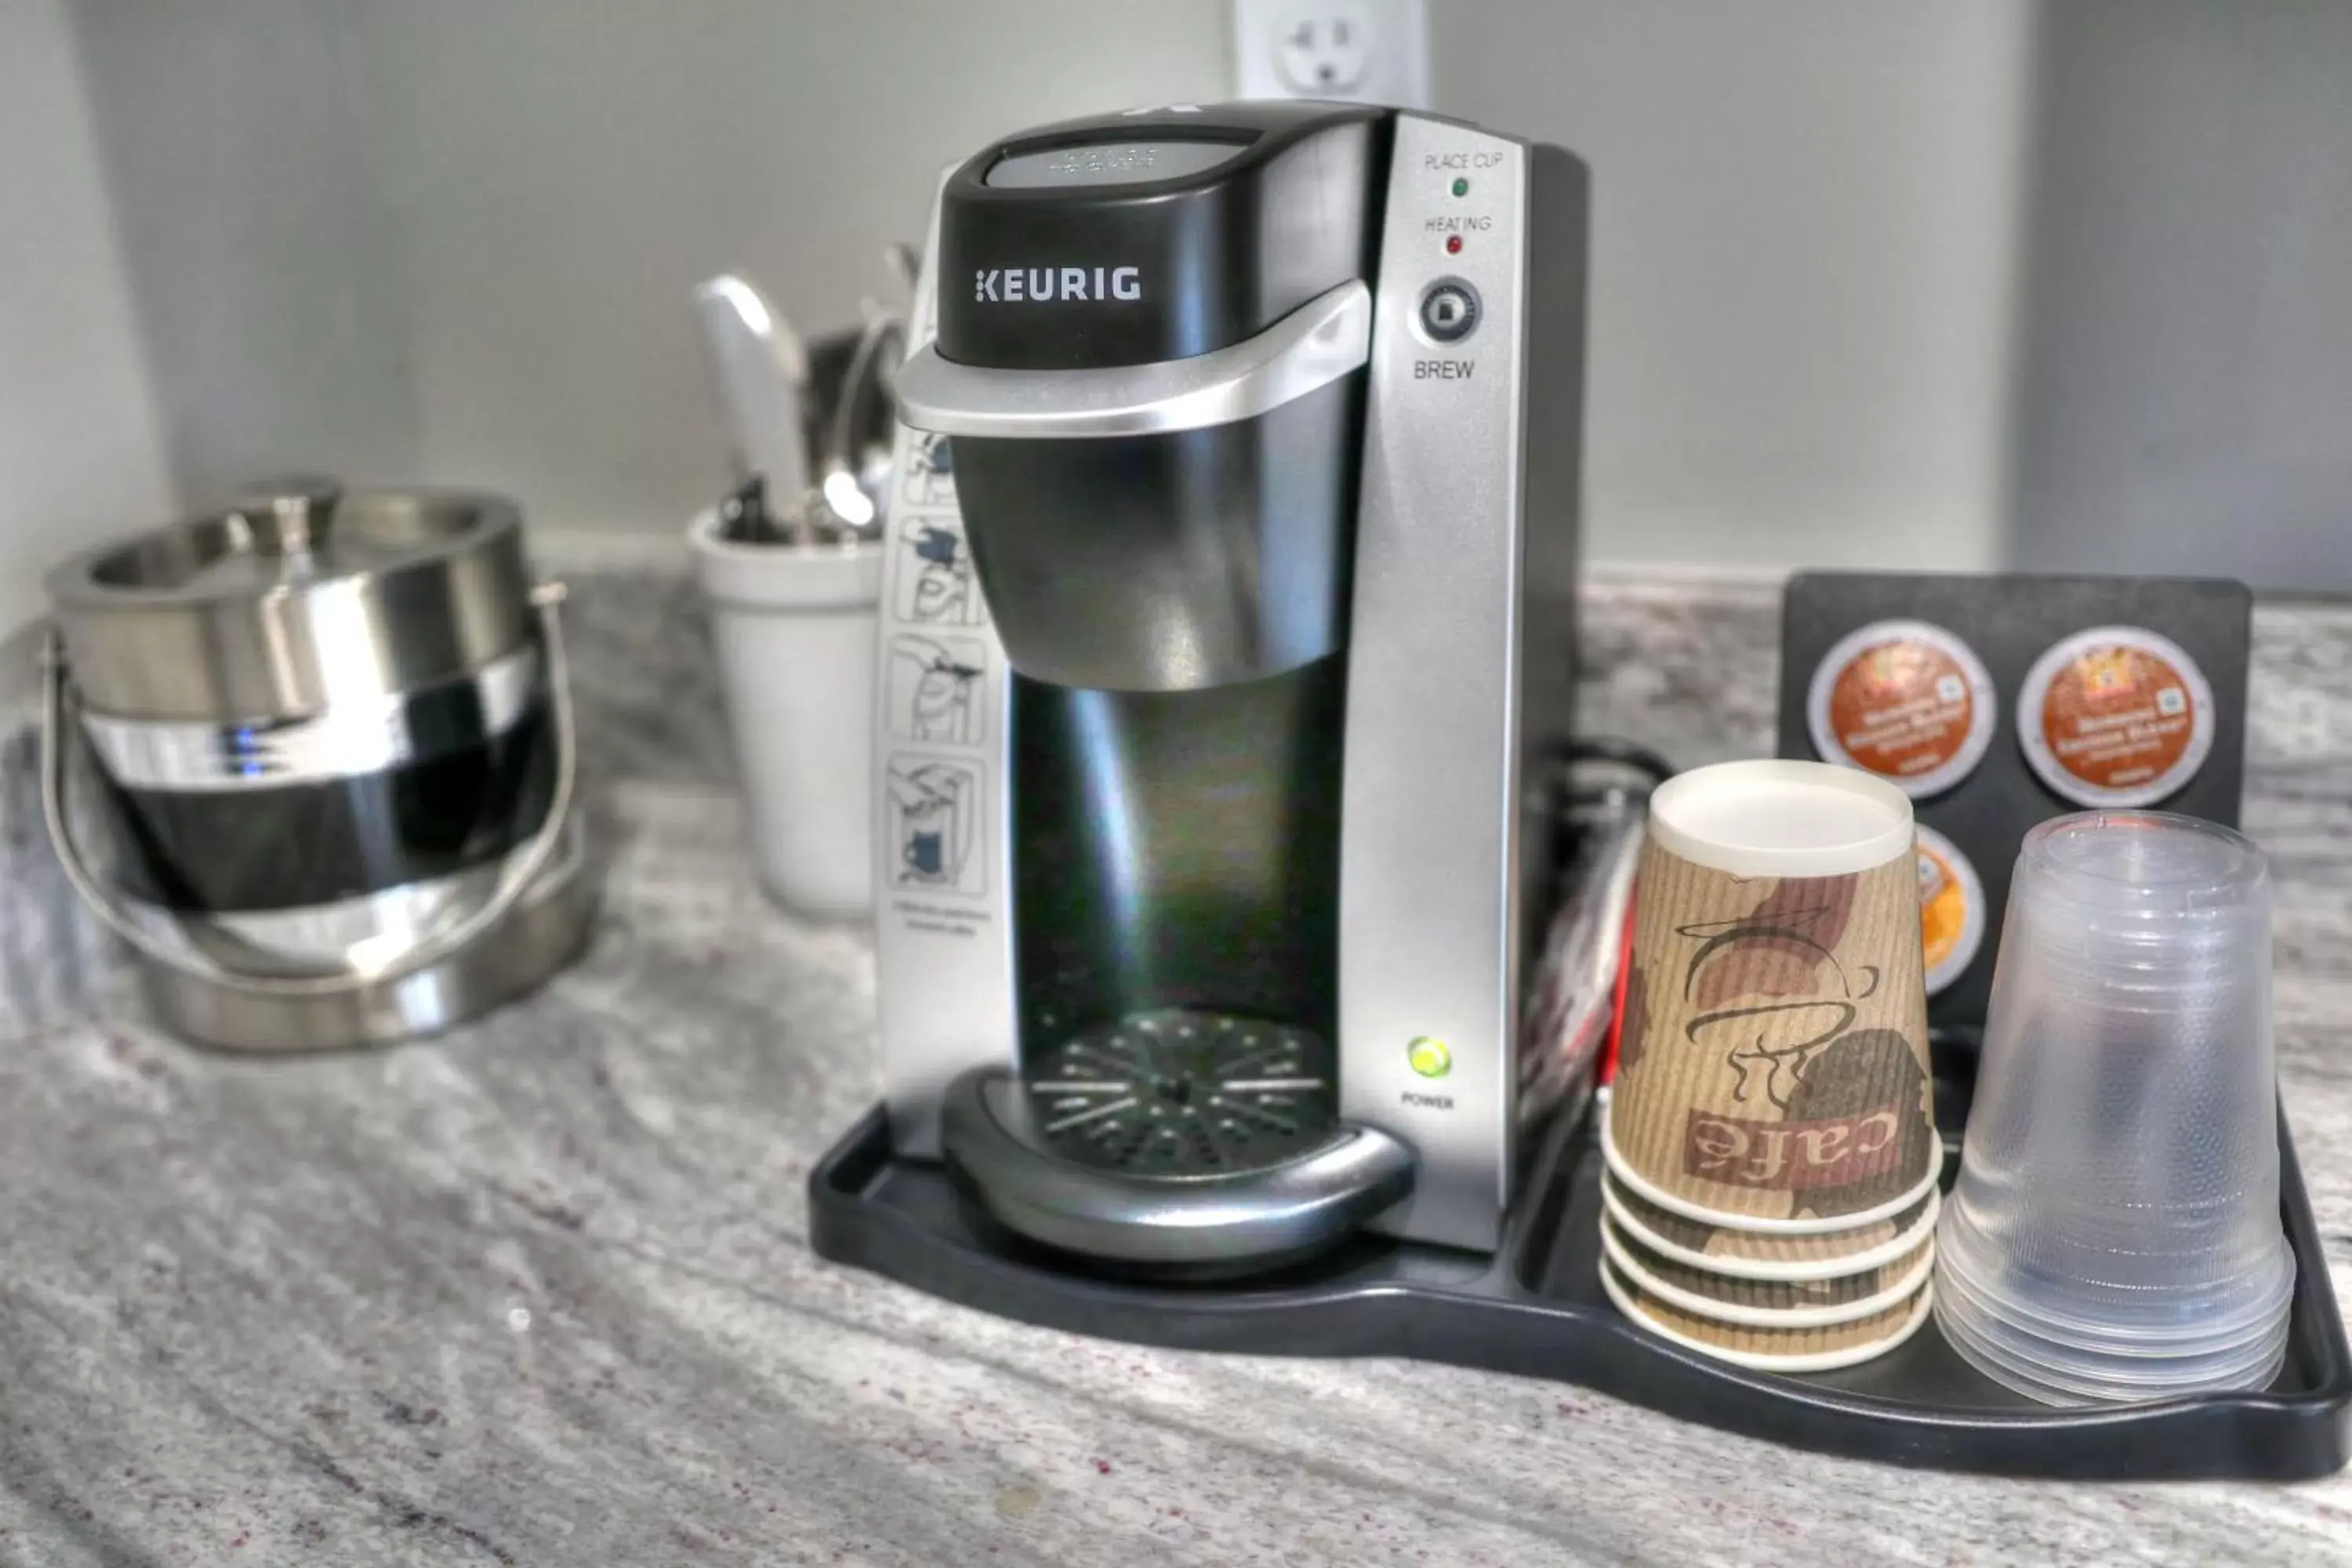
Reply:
x=1179 y=1092
x=1172 y=1142
x=1537 y=1309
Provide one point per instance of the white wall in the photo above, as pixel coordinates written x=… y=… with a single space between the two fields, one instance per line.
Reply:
x=563 y=172
x=235 y=139
x=1806 y=226
x=1875 y=279
x=2185 y=398
x=80 y=456
x=1805 y=221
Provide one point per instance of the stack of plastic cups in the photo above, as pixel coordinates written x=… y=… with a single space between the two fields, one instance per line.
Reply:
x=2115 y=1232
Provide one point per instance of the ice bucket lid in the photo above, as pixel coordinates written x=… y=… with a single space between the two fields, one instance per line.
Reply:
x=294 y=599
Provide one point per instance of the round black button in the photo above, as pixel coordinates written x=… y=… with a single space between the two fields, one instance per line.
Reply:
x=1449 y=312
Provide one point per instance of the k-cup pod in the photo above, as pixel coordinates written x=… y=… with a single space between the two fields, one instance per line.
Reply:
x=1813 y=1348
x=1951 y=909
x=1769 y=1304
x=2115 y=716
x=1905 y=700
x=1749 y=1254
x=1773 y=1070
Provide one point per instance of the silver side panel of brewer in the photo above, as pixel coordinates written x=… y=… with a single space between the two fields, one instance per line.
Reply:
x=942 y=877
x=1460 y=661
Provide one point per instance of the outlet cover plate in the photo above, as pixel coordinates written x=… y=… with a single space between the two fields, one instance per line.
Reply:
x=1361 y=51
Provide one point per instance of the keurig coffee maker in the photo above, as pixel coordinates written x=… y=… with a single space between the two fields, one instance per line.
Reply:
x=1232 y=567
x=1228 y=643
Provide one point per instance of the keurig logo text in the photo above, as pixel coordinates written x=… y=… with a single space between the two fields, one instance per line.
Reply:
x=1045 y=285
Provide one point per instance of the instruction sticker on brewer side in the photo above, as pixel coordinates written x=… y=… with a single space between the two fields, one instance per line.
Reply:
x=941 y=685
x=942 y=898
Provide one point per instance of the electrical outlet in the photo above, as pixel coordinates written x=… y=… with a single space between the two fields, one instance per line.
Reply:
x=1367 y=51
x=1324 y=51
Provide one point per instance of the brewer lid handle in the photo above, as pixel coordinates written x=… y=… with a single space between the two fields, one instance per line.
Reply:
x=1323 y=339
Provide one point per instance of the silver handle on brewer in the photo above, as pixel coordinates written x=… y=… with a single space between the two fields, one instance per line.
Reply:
x=515 y=878
x=1310 y=348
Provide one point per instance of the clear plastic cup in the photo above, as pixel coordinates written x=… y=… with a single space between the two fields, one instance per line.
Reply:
x=2085 y=1372
x=2114 y=1231
x=2087 y=1303
x=2065 y=1385
x=2188 y=1336
x=2073 y=1380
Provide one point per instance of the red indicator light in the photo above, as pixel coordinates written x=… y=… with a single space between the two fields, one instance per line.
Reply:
x=1453 y=245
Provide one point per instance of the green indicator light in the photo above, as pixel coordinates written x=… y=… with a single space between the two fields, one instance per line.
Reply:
x=1461 y=187
x=1428 y=1055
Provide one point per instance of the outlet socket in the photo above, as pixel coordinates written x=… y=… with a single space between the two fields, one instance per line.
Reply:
x=1363 y=51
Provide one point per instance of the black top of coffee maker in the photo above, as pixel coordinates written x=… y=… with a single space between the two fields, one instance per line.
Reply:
x=1159 y=234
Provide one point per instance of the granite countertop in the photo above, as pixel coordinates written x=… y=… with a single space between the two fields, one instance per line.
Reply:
x=541 y=1291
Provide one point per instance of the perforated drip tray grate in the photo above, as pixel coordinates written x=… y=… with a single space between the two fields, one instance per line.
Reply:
x=1536 y=1307
x=1179 y=1093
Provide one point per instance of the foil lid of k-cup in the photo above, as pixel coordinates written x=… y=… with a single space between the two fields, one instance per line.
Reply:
x=1906 y=701
x=2115 y=716
x=1951 y=909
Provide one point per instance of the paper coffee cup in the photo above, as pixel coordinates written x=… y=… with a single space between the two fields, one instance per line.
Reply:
x=1770 y=1303
x=1773 y=1068
x=1814 y=1348
x=1749 y=1254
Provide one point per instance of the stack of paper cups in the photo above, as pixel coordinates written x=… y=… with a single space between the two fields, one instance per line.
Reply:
x=1771 y=1148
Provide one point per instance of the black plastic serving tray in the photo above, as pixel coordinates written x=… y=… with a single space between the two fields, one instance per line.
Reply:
x=1536 y=1309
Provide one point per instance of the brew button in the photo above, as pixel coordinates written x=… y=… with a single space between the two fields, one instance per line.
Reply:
x=1449 y=312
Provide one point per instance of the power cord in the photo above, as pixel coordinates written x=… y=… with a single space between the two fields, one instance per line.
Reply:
x=1624 y=753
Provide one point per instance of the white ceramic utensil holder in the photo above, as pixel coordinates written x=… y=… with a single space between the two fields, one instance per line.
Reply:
x=794 y=627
